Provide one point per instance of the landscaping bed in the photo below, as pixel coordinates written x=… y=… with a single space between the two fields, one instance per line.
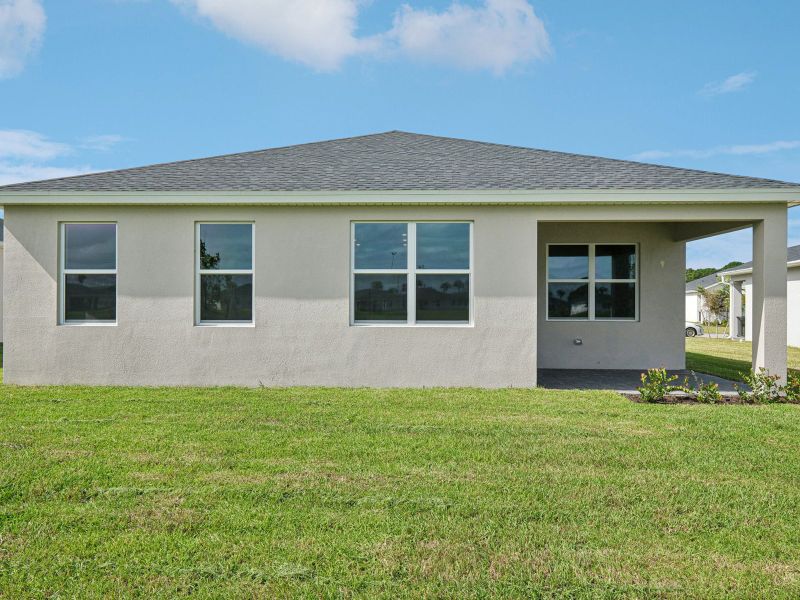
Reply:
x=684 y=399
x=677 y=398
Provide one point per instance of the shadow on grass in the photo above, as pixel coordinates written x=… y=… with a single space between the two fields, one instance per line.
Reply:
x=728 y=368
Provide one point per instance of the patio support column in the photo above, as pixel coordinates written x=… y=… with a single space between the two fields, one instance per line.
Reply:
x=769 y=292
x=735 y=310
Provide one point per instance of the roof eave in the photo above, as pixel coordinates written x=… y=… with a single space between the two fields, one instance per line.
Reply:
x=790 y=196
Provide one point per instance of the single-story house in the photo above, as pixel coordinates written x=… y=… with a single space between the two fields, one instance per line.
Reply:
x=393 y=259
x=696 y=309
x=740 y=280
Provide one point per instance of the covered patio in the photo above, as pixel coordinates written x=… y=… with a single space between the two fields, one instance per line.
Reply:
x=593 y=349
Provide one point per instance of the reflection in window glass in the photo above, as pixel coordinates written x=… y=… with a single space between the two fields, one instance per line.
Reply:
x=615 y=301
x=381 y=297
x=568 y=261
x=90 y=297
x=226 y=297
x=90 y=246
x=226 y=246
x=381 y=246
x=616 y=261
x=443 y=245
x=443 y=298
x=568 y=300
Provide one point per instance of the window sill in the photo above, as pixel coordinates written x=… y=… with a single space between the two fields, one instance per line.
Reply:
x=88 y=324
x=415 y=326
x=232 y=324
x=592 y=320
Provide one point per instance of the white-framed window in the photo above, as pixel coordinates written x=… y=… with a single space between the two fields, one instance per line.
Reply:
x=593 y=282
x=411 y=273
x=88 y=273
x=224 y=271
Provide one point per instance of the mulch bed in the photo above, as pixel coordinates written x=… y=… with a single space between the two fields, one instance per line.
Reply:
x=685 y=399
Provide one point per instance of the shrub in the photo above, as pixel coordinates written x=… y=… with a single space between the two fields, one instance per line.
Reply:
x=705 y=392
x=656 y=384
x=764 y=388
x=793 y=388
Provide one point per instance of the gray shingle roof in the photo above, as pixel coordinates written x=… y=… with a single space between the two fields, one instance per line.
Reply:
x=395 y=161
x=792 y=253
x=705 y=282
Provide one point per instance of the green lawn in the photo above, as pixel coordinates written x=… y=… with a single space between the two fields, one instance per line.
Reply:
x=726 y=358
x=116 y=492
x=715 y=329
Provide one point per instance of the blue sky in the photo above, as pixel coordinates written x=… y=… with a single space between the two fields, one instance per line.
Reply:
x=102 y=84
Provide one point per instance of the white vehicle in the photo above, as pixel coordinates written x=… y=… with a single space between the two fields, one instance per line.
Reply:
x=693 y=329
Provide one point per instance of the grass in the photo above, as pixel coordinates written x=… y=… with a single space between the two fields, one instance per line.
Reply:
x=726 y=358
x=410 y=493
x=714 y=329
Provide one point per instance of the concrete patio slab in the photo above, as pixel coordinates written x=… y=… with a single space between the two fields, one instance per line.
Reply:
x=618 y=380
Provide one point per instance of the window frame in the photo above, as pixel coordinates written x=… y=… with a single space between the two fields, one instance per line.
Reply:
x=63 y=272
x=411 y=271
x=198 y=273
x=591 y=282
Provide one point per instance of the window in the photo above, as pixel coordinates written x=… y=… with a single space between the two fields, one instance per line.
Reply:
x=224 y=270
x=592 y=282
x=88 y=273
x=411 y=273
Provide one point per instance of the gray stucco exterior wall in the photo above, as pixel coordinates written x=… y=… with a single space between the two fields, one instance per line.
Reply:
x=302 y=334
x=655 y=339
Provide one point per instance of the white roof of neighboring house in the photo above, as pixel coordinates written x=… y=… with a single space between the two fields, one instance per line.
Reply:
x=792 y=255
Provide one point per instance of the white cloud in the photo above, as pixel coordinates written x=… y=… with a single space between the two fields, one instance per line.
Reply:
x=22 y=24
x=30 y=145
x=734 y=83
x=762 y=148
x=495 y=36
x=16 y=173
x=734 y=150
x=102 y=143
x=322 y=34
x=317 y=33
x=24 y=155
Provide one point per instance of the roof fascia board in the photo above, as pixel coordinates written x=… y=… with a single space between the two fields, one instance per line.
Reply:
x=790 y=196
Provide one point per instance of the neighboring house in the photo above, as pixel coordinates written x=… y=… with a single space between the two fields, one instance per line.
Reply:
x=392 y=259
x=740 y=280
x=2 y=250
x=696 y=309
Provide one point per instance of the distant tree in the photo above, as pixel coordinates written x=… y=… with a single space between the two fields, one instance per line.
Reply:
x=445 y=287
x=715 y=303
x=733 y=263
x=208 y=261
x=692 y=274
